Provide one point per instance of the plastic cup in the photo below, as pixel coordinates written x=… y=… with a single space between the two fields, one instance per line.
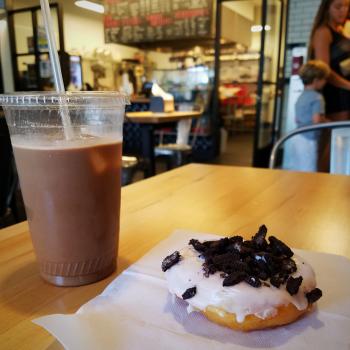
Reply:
x=70 y=187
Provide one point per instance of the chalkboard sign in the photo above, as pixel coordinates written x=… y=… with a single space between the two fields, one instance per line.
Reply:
x=138 y=21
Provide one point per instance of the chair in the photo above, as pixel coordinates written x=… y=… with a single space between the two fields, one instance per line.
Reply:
x=178 y=153
x=239 y=103
x=8 y=177
x=129 y=168
x=340 y=145
x=340 y=149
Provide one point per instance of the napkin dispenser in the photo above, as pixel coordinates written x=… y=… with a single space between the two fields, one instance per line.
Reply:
x=160 y=100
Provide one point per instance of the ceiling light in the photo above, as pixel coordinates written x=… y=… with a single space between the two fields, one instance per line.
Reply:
x=258 y=28
x=89 y=5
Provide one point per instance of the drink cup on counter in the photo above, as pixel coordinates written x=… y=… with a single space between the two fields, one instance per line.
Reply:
x=70 y=186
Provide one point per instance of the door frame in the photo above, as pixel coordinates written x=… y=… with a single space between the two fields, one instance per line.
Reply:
x=260 y=154
x=36 y=53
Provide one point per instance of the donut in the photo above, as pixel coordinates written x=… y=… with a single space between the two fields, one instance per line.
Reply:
x=242 y=284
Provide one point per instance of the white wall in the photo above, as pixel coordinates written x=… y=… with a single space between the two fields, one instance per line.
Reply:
x=6 y=63
x=83 y=29
x=84 y=35
x=235 y=27
x=243 y=8
x=161 y=60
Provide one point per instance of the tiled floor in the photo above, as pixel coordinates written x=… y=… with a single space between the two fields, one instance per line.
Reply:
x=238 y=152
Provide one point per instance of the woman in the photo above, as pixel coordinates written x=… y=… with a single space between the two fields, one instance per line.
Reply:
x=329 y=44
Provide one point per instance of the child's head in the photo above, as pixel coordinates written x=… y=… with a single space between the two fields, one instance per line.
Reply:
x=314 y=73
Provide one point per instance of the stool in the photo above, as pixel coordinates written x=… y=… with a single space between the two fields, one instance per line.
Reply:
x=129 y=167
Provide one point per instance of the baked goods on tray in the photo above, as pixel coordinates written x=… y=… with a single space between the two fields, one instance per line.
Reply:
x=243 y=284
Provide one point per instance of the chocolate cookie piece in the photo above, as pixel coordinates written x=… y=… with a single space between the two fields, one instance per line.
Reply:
x=234 y=278
x=288 y=265
x=259 y=238
x=314 y=295
x=293 y=284
x=279 y=248
x=189 y=293
x=200 y=247
x=253 y=281
x=278 y=279
x=170 y=261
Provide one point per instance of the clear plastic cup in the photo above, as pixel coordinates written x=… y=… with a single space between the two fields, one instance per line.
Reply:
x=70 y=187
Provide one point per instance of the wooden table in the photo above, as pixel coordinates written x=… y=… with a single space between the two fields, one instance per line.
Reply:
x=149 y=121
x=308 y=211
x=161 y=117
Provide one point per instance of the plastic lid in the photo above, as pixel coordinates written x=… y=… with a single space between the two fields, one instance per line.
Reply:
x=98 y=99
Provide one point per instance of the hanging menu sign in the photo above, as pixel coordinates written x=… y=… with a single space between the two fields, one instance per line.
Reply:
x=138 y=21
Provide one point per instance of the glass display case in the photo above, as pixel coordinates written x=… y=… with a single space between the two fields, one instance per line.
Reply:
x=238 y=90
x=185 y=84
x=191 y=88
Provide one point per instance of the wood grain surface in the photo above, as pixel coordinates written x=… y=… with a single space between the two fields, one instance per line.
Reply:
x=308 y=211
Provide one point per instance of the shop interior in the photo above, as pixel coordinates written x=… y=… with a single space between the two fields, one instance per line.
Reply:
x=171 y=221
x=232 y=74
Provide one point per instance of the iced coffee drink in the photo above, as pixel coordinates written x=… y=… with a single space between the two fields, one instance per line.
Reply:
x=71 y=191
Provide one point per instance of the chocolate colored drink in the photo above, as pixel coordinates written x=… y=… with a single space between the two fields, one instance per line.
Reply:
x=71 y=192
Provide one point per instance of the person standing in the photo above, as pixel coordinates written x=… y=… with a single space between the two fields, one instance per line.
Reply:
x=330 y=45
x=309 y=110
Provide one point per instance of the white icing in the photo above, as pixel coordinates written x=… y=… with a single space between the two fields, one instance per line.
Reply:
x=269 y=312
x=221 y=313
x=190 y=308
x=240 y=299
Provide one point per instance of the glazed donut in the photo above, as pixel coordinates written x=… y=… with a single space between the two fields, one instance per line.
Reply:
x=284 y=315
x=243 y=285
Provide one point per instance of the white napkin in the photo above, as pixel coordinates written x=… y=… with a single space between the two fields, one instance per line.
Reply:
x=136 y=312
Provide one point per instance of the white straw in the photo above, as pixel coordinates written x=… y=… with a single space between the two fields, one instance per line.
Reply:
x=55 y=64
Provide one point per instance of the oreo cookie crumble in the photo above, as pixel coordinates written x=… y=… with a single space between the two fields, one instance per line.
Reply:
x=189 y=293
x=293 y=284
x=257 y=262
x=171 y=260
x=314 y=295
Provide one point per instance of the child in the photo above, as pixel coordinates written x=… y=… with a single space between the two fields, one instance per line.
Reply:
x=309 y=109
